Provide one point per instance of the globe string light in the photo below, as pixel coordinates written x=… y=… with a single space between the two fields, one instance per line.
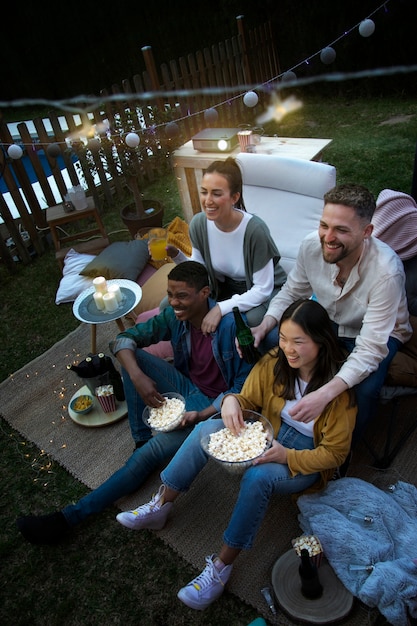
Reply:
x=288 y=78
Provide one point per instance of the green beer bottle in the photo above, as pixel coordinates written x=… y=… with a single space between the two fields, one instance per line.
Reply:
x=245 y=339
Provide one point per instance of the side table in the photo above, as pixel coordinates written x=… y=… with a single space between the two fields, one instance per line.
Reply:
x=84 y=307
x=96 y=417
x=335 y=603
x=57 y=217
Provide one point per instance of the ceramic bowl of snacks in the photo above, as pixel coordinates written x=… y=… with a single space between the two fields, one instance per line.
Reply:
x=82 y=404
x=237 y=452
x=166 y=417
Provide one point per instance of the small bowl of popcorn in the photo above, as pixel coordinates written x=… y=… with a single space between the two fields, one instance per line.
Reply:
x=82 y=404
x=167 y=416
x=237 y=452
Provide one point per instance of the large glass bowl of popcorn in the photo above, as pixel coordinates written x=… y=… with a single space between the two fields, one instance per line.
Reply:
x=166 y=417
x=237 y=452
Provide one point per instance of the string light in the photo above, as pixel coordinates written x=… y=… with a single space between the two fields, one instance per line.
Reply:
x=78 y=104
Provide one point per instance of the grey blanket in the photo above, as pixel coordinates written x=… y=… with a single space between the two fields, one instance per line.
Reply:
x=369 y=537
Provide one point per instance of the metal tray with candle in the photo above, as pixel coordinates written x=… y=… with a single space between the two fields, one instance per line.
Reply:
x=86 y=308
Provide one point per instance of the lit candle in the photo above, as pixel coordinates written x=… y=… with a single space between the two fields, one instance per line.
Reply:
x=110 y=302
x=117 y=292
x=98 y=299
x=100 y=284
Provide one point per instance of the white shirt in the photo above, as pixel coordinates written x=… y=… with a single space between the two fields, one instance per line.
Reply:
x=371 y=307
x=301 y=427
x=227 y=259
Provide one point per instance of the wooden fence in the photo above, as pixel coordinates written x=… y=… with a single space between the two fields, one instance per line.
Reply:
x=249 y=57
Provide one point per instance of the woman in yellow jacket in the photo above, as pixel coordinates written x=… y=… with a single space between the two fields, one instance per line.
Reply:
x=302 y=456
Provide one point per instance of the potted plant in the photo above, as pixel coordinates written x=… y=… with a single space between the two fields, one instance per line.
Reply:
x=128 y=153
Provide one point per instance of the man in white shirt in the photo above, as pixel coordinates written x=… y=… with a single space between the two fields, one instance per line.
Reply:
x=361 y=282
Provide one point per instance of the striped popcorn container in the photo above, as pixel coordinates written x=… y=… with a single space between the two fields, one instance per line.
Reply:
x=107 y=399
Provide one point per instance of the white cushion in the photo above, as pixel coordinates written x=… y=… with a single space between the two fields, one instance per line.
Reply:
x=287 y=193
x=72 y=284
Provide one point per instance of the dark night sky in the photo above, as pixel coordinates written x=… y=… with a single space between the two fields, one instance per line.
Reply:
x=52 y=52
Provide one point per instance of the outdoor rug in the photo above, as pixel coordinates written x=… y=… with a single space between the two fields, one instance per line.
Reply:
x=34 y=402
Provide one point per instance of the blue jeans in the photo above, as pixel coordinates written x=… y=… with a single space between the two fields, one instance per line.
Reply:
x=258 y=483
x=156 y=452
x=367 y=392
x=167 y=378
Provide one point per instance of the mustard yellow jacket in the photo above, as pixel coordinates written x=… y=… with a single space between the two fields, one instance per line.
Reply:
x=332 y=430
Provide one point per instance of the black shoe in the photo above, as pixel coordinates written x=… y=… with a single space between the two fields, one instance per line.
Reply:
x=47 y=529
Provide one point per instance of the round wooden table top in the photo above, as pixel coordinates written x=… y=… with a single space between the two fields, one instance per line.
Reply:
x=335 y=603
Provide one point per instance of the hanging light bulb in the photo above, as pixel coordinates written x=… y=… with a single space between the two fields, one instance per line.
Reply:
x=53 y=150
x=15 y=152
x=250 y=99
x=93 y=145
x=327 y=55
x=366 y=28
x=172 y=130
x=211 y=116
x=288 y=76
x=132 y=140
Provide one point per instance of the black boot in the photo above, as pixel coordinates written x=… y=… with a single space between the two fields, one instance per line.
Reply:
x=48 y=529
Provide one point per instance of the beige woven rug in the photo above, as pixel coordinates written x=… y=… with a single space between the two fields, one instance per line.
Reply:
x=34 y=402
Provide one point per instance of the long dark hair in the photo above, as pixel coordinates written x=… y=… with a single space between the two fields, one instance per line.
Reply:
x=231 y=171
x=315 y=322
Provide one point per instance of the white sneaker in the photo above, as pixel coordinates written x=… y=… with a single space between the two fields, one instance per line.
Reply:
x=208 y=586
x=151 y=515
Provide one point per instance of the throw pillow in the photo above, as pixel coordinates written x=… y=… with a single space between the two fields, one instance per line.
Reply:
x=162 y=349
x=121 y=259
x=155 y=289
x=72 y=284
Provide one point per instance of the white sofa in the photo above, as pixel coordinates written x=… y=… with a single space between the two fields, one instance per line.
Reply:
x=287 y=193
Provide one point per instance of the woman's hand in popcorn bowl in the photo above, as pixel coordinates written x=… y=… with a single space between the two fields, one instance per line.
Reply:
x=237 y=452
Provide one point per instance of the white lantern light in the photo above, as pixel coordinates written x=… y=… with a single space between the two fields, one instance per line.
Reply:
x=14 y=151
x=172 y=130
x=211 y=116
x=93 y=145
x=132 y=140
x=288 y=76
x=366 y=28
x=53 y=150
x=327 y=55
x=250 y=99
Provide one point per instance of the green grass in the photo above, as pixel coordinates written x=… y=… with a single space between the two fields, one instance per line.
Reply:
x=104 y=576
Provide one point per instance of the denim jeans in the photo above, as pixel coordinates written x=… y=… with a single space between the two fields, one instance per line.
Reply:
x=367 y=392
x=258 y=484
x=167 y=378
x=154 y=454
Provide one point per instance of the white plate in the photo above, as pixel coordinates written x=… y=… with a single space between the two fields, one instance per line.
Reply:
x=85 y=309
x=96 y=417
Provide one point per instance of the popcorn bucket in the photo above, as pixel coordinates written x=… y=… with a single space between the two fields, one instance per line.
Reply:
x=244 y=137
x=312 y=544
x=106 y=398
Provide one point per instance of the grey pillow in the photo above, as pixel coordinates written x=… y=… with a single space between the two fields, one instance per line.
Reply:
x=121 y=259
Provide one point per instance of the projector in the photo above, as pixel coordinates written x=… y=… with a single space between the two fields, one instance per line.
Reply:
x=216 y=140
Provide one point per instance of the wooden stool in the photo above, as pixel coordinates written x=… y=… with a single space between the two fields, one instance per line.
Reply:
x=335 y=603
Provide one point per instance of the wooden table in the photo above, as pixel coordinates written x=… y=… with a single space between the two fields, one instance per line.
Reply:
x=57 y=218
x=189 y=164
x=335 y=603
